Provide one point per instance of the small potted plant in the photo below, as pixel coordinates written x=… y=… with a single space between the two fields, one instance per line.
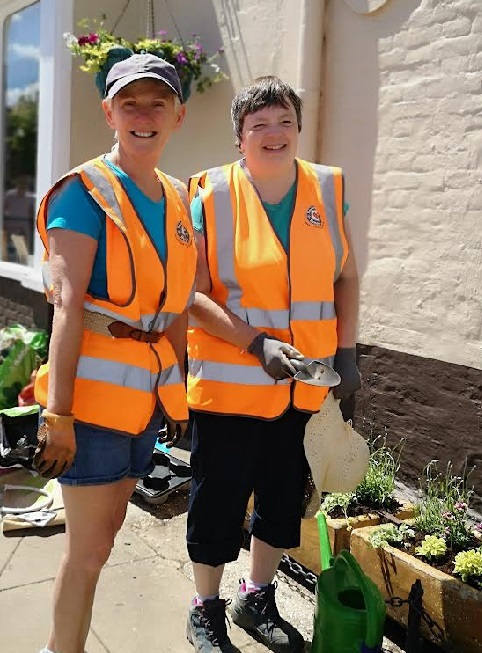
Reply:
x=442 y=547
x=100 y=50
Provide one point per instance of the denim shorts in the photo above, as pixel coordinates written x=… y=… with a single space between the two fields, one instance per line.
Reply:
x=106 y=456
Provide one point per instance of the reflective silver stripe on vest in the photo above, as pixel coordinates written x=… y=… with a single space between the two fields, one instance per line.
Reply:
x=146 y=323
x=126 y=376
x=231 y=373
x=103 y=185
x=313 y=311
x=225 y=235
x=306 y=311
x=326 y=179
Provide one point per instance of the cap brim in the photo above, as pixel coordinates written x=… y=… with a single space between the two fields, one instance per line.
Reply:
x=125 y=81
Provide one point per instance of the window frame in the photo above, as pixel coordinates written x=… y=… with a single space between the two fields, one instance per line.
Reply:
x=54 y=112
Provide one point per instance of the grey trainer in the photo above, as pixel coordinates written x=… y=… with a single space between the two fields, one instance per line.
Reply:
x=256 y=612
x=206 y=628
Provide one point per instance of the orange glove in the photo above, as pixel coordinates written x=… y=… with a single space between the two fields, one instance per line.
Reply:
x=56 y=445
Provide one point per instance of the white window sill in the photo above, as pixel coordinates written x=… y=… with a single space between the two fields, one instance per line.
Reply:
x=28 y=277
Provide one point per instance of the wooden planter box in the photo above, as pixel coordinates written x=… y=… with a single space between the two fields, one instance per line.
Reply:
x=454 y=605
x=339 y=531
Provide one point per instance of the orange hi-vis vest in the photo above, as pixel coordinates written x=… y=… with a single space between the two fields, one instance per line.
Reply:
x=288 y=295
x=120 y=380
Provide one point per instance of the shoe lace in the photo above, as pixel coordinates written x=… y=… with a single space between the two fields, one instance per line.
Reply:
x=266 y=604
x=213 y=619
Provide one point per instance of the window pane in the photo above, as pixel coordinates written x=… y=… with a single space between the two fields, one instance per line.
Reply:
x=21 y=52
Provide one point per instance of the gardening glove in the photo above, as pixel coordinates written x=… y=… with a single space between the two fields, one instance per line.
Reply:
x=274 y=356
x=175 y=431
x=345 y=365
x=56 y=445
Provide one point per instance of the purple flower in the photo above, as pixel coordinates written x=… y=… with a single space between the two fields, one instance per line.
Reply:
x=220 y=50
x=448 y=515
x=461 y=505
x=83 y=40
x=181 y=58
x=162 y=33
x=478 y=527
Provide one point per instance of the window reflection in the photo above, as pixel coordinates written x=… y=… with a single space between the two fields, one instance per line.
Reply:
x=21 y=39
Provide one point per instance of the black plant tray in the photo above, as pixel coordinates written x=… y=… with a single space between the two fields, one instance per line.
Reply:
x=169 y=474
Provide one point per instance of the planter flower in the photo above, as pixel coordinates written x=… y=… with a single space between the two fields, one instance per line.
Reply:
x=101 y=49
x=440 y=547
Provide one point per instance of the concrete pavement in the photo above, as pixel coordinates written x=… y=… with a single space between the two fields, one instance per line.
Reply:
x=143 y=592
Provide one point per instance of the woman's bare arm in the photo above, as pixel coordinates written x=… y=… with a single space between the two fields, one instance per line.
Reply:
x=71 y=260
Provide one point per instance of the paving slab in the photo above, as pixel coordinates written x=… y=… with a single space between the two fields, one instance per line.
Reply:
x=7 y=549
x=26 y=615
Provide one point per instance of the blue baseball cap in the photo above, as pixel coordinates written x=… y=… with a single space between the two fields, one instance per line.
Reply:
x=142 y=66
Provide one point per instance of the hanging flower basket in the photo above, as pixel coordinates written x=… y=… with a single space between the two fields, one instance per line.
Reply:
x=101 y=49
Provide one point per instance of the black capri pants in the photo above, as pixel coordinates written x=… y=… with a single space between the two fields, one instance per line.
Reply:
x=231 y=457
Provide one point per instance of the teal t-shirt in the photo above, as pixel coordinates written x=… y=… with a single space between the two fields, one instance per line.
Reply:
x=74 y=209
x=279 y=215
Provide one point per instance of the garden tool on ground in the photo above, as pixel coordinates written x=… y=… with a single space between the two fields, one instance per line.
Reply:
x=349 y=609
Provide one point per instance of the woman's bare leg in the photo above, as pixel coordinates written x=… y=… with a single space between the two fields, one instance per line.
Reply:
x=94 y=514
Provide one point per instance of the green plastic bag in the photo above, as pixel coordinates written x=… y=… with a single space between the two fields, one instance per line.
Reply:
x=21 y=352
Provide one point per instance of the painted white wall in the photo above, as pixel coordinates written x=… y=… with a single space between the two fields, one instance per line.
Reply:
x=402 y=115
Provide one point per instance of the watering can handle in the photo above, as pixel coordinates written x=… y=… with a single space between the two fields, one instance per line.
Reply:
x=371 y=635
x=325 y=547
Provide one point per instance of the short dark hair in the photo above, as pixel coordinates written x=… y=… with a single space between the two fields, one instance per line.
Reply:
x=264 y=92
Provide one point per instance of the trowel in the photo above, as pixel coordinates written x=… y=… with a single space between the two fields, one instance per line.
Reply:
x=313 y=372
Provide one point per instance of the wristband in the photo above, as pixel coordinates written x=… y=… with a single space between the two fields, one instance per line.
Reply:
x=52 y=419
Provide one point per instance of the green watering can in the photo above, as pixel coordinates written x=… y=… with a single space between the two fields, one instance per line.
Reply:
x=349 y=610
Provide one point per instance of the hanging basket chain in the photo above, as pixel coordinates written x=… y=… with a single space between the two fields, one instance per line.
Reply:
x=151 y=23
x=175 y=23
x=121 y=16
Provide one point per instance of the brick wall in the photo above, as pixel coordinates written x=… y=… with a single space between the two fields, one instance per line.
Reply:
x=403 y=117
x=20 y=305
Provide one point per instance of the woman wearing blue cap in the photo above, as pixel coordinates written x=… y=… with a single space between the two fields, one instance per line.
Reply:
x=119 y=270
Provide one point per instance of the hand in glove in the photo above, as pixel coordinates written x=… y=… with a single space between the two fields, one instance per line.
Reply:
x=345 y=365
x=56 y=445
x=175 y=431
x=274 y=356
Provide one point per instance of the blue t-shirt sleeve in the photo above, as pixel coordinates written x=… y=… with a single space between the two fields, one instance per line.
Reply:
x=197 y=215
x=73 y=208
x=346 y=208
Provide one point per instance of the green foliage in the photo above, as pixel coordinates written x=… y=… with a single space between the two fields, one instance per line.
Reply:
x=189 y=57
x=376 y=491
x=378 y=487
x=432 y=547
x=21 y=139
x=386 y=534
x=468 y=564
x=338 y=500
x=442 y=509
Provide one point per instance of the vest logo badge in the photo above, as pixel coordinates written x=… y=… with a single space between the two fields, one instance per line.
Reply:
x=182 y=234
x=313 y=217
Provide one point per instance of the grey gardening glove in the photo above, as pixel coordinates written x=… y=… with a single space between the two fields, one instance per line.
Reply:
x=274 y=356
x=345 y=365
